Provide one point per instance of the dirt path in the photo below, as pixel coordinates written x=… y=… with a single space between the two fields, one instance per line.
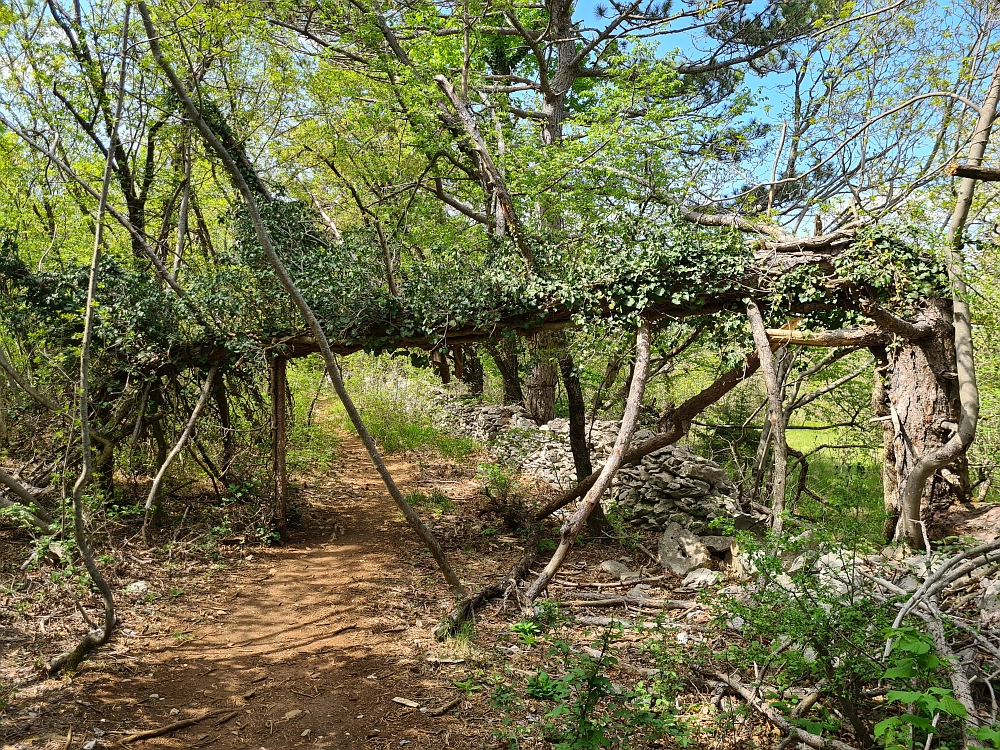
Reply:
x=305 y=645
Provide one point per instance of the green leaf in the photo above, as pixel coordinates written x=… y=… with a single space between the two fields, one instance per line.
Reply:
x=904 y=696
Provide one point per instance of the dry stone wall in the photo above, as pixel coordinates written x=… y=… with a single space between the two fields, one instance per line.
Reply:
x=670 y=486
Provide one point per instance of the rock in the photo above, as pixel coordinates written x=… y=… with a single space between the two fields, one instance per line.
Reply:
x=718 y=544
x=641 y=591
x=700 y=578
x=137 y=589
x=617 y=569
x=909 y=584
x=680 y=551
x=989 y=606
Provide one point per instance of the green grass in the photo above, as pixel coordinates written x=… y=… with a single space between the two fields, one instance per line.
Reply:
x=851 y=485
x=436 y=502
x=392 y=397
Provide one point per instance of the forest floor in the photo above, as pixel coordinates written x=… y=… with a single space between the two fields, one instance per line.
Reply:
x=326 y=641
x=302 y=645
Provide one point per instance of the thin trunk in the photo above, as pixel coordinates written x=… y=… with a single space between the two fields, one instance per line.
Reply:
x=182 y=216
x=250 y=201
x=440 y=361
x=574 y=524
x=597 y=522
x=472 y=370
x=4 y=428
x=677 y=427
x=71 y=659
x=279 y=443
x=913 y=489
x=775 y=415
x=220 y=394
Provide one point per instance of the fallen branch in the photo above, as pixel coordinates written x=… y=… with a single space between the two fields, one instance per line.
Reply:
x=442 y=710
x=177 y=725
x=611 y=601
x=750 y=696
x=680 y=423
x=181 y=442
x=575 y=523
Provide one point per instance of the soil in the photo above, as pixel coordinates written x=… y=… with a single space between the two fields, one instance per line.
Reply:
x=304 y=645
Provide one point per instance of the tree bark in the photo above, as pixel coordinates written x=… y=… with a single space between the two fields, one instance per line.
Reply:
x=574 y=524
x=541 y=384
x=922 y=403
x=597 y=522
x=933 y=461
x=220 y=394
x=775 y=397
x=504 y=356
x=279 y=443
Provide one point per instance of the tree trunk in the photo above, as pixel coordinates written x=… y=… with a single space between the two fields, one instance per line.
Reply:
x=472 y=369
x=221 y=396
x=541 y=384
x=440 y=361
x=775 y=397
x=922 y=402
x=574 y=524
x=279 y=445
x=597 y=522
x=504 y=356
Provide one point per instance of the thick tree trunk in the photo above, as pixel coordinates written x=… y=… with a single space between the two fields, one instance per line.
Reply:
x=541 y=384
x=922 y=405
x=279 y=444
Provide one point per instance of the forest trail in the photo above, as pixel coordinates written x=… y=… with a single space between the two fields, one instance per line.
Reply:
x=305 y=645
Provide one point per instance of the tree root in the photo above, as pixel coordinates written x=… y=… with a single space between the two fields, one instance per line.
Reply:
x=466 y=609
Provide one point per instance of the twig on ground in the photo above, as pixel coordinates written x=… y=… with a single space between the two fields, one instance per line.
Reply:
x=664 y=603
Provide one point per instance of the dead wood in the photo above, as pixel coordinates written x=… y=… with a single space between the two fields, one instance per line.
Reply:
x=176 y=726
x=466 y=609
x=614 y=600
x=974 y=172
x=679 y=424
x=575 y=523
x=750 y=695
x=442 y=710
